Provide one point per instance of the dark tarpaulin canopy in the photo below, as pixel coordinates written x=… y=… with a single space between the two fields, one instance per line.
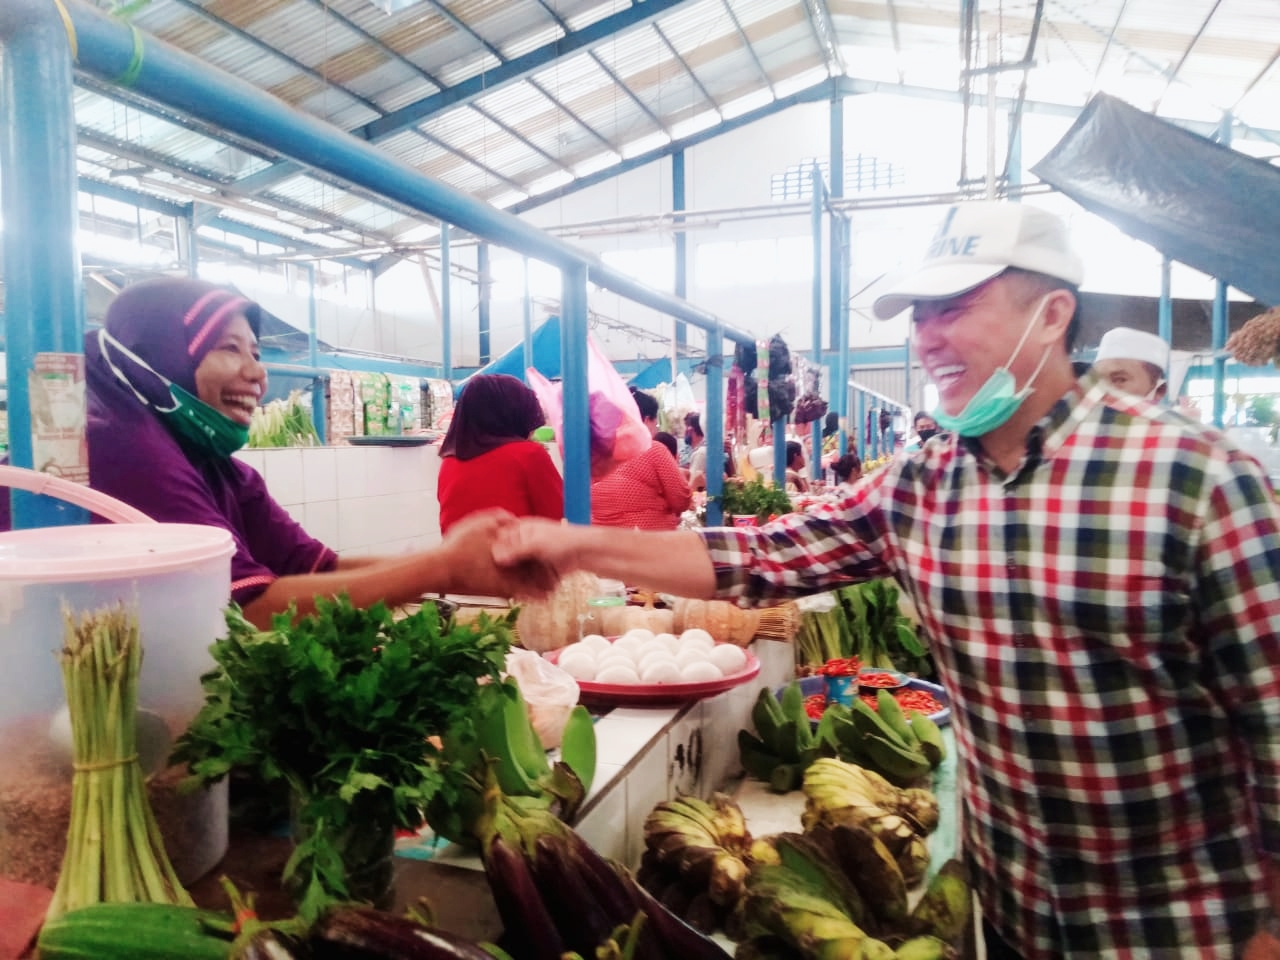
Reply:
x=1196 y=201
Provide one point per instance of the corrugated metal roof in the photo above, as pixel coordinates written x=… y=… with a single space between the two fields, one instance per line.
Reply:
x=326 y=63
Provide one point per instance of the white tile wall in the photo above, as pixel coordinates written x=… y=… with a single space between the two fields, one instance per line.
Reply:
x=361 y=501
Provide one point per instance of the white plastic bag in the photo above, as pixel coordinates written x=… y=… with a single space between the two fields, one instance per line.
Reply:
x=549 y=693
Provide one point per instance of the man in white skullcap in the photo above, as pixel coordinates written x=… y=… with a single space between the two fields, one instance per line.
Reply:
x=1134 y=362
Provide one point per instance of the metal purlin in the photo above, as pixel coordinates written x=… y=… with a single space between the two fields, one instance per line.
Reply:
x=40 y=150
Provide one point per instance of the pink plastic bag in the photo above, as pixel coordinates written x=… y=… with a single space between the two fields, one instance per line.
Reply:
x=617 y=432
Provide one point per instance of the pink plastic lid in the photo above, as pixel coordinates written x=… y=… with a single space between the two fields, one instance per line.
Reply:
x=102 y=552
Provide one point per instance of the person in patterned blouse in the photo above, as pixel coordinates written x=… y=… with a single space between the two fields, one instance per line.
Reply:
x=1100 y=577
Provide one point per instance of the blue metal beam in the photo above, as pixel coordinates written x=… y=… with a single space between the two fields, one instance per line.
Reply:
x=576 y=426
x=835 y=133
x=1219 y=318
x=681 y=243
x=671 y=47
x=815 y=429
x=750 y=47
x=44 y=294
x=446 y=304
x=713 y=426
x=485 y=283
x=822 y=90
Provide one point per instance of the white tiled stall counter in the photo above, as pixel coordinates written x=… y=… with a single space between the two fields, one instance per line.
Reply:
x=360 y=501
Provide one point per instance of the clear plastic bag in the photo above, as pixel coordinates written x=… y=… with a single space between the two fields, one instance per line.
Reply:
x=549 y=693
x=617 y=432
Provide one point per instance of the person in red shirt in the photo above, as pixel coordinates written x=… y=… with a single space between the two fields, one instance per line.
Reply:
x=488 y=459
x=648 y=492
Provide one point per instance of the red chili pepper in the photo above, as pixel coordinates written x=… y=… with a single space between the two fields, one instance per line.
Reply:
x=841 y=667
x=878 y=679
x=920 y=700
x=815 y=706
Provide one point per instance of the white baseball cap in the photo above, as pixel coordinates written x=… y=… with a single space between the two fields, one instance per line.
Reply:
x=1125 y=343
x=978 y=240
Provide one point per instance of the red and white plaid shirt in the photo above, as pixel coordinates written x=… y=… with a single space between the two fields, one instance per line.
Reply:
x=1106 y=619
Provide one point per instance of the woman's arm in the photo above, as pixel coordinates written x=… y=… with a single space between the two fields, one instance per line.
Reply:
x=675 y=491
x=462 y=563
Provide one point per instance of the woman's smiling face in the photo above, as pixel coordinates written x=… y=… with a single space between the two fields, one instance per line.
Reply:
x=231 y=377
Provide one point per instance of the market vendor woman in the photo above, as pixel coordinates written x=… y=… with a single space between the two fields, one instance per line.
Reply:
x=174 y=376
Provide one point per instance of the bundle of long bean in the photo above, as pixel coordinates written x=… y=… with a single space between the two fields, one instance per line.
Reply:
x=114 y=850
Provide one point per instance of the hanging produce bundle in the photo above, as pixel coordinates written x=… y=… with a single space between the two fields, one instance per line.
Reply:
x=283 y=423
x=1257 y=343
x=114 y=849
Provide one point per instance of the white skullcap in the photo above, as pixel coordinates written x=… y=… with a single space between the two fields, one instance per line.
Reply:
x=1125 y=343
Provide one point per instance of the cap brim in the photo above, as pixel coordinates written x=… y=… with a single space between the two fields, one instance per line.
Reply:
x=934 y=283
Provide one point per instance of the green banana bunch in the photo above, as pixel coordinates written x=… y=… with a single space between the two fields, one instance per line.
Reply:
x=705 y=843
x=946 y=908
x=924 y=948
x=883 y=739
x=784 y=743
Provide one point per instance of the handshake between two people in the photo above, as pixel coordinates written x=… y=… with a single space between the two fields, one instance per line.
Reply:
x=496 y=554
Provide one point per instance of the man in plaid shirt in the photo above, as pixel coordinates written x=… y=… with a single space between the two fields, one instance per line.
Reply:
x=1101 y=578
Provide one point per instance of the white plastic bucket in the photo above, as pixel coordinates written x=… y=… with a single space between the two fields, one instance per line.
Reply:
x=177 y=576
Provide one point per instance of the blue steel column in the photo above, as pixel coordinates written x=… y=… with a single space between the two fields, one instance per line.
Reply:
x=573 y=370
x=840 y=388
x=313 y=351
x=862 y=425
x=906 y=377
x=815 y=428
x=714 y=426
x=188 y=248
x=446 y=305
x=526 y=322
x=1164 y=317
x=1219 y=324
x=1164 y=321
x=837 y=191
x=44 y=310
x=682 y=250
x=482 y=268
x=780 y=451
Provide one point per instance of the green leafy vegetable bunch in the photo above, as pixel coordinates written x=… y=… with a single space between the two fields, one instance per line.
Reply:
x=340 y=704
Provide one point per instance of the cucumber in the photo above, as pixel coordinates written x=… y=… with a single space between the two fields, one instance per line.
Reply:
x=137 y=931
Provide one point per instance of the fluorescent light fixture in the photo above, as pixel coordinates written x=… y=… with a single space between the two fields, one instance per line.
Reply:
x=601 y=161
x=504 y=200
x=695 y=124
x=646 y=143
x=550 y=182
x=752 y=101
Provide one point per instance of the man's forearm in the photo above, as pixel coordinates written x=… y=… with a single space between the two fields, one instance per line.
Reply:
x=675 y=562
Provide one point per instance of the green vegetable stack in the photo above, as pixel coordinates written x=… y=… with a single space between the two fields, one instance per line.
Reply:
x=340 y=705
x=866 y=623
x=754 y=498
x=283 y=423
x=784 y=744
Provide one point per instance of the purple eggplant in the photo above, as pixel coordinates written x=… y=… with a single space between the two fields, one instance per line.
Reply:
x=578 y=916
x=363 y=933
x=529 y=928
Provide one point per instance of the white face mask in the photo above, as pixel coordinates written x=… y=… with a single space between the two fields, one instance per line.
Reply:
x=998 y=398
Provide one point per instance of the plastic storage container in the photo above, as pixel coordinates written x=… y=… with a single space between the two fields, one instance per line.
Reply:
x=178 y=578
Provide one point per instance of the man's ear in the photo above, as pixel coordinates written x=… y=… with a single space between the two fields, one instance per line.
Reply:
x=1158 y=394
x=1059 y=308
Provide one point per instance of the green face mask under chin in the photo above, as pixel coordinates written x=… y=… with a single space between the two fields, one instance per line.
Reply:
x=201 y=426
x=190 y=419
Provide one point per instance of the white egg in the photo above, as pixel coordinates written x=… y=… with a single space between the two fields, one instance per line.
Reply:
x=660 y=671
x=579 y=664
x=728 y=658
x=577 y=649
x=627 y=644
x=699 y=672
x=594 y=642
x=697 y=635
x=694 y=654
x=655 y=656
x=640 y=633
x=668 y=640
x=615 y=660
x=618 y=674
